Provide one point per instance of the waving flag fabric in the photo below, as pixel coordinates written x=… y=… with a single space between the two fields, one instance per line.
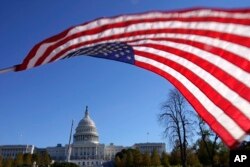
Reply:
x=205 y=53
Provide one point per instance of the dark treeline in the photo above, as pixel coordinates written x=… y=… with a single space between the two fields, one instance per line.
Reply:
x=64 y=164
x=29 y=160
x=196 y=157
x=26 y=160
x=134 y=158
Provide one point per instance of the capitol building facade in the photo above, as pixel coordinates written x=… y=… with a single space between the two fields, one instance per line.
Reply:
x=85 y=150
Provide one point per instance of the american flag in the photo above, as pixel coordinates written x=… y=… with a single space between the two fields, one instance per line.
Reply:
x=204 y=53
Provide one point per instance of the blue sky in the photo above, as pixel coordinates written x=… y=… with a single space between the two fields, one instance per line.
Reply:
x=37 y=105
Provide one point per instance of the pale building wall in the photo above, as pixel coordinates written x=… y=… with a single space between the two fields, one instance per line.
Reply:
x=12 y=150
x=57 y=153
x=150 y=147
x=111 y=150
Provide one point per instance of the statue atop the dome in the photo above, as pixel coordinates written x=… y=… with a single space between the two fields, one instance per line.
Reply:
x=86 y=112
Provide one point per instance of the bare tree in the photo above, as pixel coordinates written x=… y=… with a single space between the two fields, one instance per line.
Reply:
x=176 y=120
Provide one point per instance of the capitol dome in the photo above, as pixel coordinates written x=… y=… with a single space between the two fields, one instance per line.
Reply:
x=86 y=131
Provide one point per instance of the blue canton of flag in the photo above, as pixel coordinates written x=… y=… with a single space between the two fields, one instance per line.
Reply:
x=115 y=51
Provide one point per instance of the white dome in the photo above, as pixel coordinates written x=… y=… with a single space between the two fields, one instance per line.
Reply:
x=86 y=121
x=86 y=131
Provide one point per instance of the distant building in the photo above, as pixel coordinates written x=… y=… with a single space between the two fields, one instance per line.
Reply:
x=111 y=150
x=57 y=153
x=12 y=150
x=150 y=147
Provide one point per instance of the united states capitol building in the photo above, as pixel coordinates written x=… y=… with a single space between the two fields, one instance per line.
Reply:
x=85 y=150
